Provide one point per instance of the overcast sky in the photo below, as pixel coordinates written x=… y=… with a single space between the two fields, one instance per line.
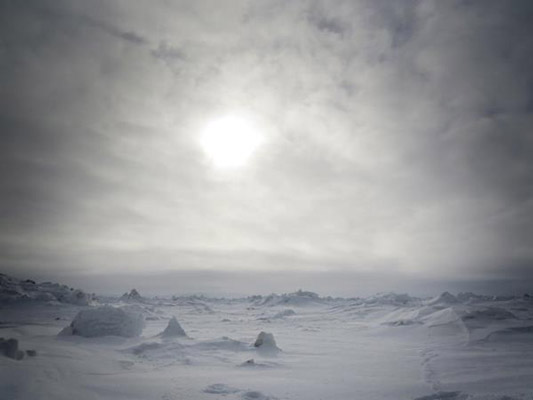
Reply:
x=397 y=141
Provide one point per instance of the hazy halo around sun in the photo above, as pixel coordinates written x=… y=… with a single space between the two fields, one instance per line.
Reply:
x=229 y=141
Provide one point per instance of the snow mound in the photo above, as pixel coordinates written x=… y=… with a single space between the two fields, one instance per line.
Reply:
x=13 y=290
x=265 y=341
x=132 y=296
x=173 y=329
x=443 y=299
x=106 y=321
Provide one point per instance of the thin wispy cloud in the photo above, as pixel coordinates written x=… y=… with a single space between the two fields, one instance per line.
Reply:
x=396 y=137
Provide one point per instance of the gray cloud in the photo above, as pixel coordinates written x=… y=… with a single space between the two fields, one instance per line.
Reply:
x=397 y=137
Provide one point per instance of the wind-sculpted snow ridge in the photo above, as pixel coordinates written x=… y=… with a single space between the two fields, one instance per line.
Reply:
x=13 y=290
x=105 y=321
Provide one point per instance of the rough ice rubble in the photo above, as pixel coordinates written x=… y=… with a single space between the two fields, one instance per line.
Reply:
x=106 y=321
x=390 y=298
x=299 y=298
x=13 y=290
x=173 y=329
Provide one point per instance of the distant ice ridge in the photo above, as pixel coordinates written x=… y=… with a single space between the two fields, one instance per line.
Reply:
x=299 y=298
x=13 y=290
x=391 y=298
x=132 y=296
x=443 y=298
x=105 y=321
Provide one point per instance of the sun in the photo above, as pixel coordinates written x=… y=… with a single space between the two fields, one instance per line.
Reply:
x=230 y=141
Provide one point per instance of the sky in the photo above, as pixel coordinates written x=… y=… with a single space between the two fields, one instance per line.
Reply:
x=396 y=144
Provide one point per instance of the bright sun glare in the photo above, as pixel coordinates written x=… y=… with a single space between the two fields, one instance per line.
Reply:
x=230 y=141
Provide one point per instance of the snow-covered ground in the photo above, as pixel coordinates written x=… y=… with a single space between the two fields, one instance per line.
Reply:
x=383 y=347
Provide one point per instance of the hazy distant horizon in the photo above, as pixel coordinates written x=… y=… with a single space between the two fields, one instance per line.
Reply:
x=242 y=284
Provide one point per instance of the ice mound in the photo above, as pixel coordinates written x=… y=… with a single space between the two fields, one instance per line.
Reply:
x=132 y=296
x=106 y=321
x=443 y=299
x=265 y=341
x=173 y=329
x=14 y=290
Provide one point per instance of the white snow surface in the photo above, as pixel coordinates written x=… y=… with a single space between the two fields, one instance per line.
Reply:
x=386 y=347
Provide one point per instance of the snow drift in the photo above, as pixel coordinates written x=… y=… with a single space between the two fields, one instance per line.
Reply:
x=106 y=321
